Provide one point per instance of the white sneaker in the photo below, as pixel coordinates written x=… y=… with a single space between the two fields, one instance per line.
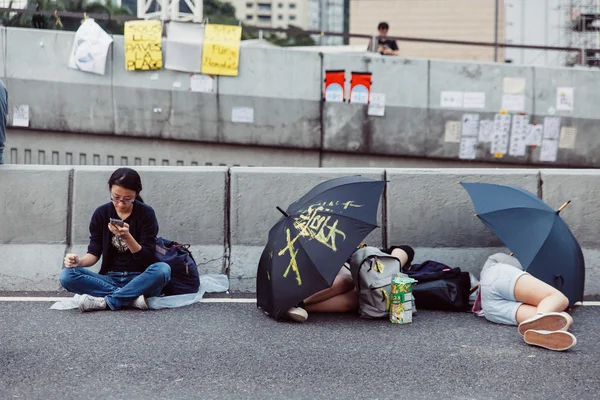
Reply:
x=297 y=314
x=140 y=303
x=91 y=303
x=552 y=321
x=551 y=340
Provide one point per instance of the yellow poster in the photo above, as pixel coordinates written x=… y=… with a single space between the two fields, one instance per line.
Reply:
x=221 y=50
x=143 y=45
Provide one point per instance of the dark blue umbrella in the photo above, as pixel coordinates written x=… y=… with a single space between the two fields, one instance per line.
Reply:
x=534 y=232
x=310 y=243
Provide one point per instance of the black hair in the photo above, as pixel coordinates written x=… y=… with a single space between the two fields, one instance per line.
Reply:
x=127 y=178
x=383 y=26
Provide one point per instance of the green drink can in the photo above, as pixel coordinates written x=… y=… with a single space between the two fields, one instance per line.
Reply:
x=401 y=299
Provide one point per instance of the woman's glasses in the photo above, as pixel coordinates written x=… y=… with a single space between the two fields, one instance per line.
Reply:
x=124 y=201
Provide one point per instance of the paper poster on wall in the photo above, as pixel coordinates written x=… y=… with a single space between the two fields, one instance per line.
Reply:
x=549 y=150
x=568 y=135
x=201 y=83
x=184 y=46
x=377 y=105
x=486 y=129
x=474 y=100
x=143 y=45
x=21 y=115
x=514 y=85
x=242 y=114
x=551 y=127
x=90 y=48
x=360 y=87
x=518 y=136
x=334 y=86
x=452 y=132
x=451 y=99
x=221 y=50
x=513 y=102
x=470 y=125
x=468 y=148
x=500 y=135
x=535 y=135
x=565 y=99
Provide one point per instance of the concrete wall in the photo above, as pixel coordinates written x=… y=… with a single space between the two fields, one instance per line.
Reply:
x=226 y=213
x=284 y=89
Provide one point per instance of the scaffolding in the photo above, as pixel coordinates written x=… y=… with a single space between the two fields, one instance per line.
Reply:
x=583 y=31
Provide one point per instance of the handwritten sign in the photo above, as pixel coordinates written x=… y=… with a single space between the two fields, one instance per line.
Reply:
x=221 y=50
x=143 y=45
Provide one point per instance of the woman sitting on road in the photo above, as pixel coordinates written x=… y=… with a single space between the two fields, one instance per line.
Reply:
x=511 y=296
x=124 y=233
x=342 y=296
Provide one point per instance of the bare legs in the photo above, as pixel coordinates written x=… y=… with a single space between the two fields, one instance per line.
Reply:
x=340 y=297
x=537 y=297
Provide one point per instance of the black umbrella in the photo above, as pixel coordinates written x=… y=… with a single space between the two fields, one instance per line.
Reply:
x=310 y=243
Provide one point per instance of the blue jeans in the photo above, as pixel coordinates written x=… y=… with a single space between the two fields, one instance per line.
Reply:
x=119 y=289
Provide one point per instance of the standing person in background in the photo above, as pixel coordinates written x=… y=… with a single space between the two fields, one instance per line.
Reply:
x=3 y=118
x=386 y=47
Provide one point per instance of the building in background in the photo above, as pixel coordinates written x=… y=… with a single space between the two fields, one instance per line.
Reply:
x=321 y=15
x=466 y=20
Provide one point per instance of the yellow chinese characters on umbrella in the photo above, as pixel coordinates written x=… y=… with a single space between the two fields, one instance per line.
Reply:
x=221 y=50
x=143 y=45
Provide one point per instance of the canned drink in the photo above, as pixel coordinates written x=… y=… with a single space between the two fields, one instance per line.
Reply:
x=401 y=299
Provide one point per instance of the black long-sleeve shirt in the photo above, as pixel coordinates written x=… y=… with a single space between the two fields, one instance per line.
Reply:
x=143 y=226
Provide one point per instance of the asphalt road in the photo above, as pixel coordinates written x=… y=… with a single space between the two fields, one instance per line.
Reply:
x=233 y=351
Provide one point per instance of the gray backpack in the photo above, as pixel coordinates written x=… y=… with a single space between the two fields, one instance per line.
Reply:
x=372 y=271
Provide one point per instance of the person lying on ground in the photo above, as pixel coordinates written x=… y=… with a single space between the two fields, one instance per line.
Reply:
x=342 y=296
x=122 y=231
x=511 y=296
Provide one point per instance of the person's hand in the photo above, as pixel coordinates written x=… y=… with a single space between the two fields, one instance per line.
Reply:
x=122 y=232
x=71 y=260
x=380 y=49
x=387 y=51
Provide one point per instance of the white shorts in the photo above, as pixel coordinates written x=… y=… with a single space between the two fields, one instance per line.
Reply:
x=498 y=280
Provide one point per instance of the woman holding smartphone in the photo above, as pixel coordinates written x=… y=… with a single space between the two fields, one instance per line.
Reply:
x=124 y=233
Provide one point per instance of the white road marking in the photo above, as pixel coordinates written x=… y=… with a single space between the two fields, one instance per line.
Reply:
x=208 y=300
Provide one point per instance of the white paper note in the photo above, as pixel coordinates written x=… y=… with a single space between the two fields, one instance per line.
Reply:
x=513 y=102
x=242 y=114
x=535 y=134
x=501 y=134
x=514 y=85
x=468 y=148
x=565 y=99
x=21 y=115
x=518 y=136
x=377 y=105
x=470 y=125
x=568 y=135
x=453 y=132
x=474 y=100
x=551 y=127
x=184 y=46
x=451 y=100
x=549 y=150
x=201 y=83
x=486 y=130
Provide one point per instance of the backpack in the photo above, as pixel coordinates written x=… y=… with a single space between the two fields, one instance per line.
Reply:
x=372 y=272
x=440 y=287
x=184 y=272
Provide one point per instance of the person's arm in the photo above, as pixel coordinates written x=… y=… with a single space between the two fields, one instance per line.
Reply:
x=144 y=248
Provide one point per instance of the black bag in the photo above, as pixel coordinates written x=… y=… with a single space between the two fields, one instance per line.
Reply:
x=184 y=272
x=440 y=287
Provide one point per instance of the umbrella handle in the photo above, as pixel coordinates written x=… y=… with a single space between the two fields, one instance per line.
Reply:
x=563 y=206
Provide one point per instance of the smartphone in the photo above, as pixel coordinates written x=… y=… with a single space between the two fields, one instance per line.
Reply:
x=117 y=222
